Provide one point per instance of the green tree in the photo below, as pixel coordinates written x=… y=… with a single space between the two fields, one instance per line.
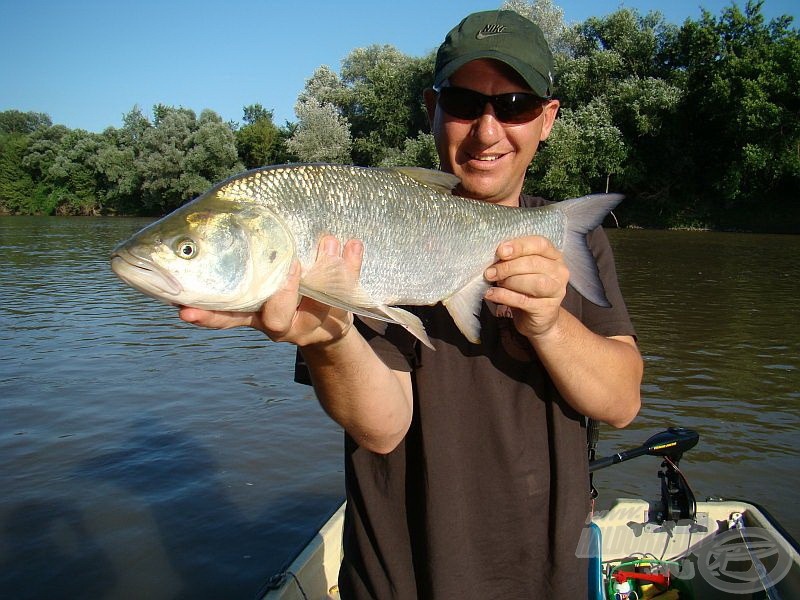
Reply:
x=16 y=185
x=258 y=141
x=182 y=156
x=117 y=162
x=17 y=122
x=742 y=79
x=584 y=151
x=383 y=102
x=18 y=188
x=634 y=38
x=618 y=62
x=322 y=134
x=211 y=154
x=163 y=151
x=416 y=152
x=326 y=87
x=550 y=18
x=74 y=182
x=255 y=112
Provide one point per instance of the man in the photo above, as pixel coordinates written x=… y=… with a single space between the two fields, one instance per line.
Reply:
x=466 y=467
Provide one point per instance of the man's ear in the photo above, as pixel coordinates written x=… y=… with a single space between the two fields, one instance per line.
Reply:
x=550 y=113
x=430 y=97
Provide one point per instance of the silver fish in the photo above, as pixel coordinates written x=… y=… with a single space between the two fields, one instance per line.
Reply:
x=231 y=248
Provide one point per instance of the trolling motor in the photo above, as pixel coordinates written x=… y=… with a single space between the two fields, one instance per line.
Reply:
x=677 y=498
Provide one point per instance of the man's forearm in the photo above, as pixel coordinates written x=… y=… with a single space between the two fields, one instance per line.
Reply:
x=598 y=376
x=369 y=400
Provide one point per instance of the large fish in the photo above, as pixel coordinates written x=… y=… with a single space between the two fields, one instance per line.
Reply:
x=231 y=248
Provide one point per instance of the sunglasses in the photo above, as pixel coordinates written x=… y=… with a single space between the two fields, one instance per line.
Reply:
x=513 y=108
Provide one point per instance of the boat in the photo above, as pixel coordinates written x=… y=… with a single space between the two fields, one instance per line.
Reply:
x=314 y=572
x=666 y=549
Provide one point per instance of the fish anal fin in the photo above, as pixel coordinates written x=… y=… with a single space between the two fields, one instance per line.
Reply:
x=465 y=307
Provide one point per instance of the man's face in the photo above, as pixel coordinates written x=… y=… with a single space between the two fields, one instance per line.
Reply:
x=490 y=157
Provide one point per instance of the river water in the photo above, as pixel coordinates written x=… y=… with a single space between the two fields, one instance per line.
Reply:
x=146 y=458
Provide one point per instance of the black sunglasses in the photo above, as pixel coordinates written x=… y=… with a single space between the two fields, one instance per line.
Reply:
x=513 y=108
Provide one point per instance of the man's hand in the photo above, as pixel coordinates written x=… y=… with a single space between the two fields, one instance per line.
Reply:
x=287 y=316
x=531 y=278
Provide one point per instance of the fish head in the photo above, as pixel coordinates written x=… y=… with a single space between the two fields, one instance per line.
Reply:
x=210 y=254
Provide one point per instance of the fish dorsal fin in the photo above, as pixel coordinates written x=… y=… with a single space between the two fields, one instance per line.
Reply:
x=436 y=180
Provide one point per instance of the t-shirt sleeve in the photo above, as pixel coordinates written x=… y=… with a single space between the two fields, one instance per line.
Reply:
x=393 y=345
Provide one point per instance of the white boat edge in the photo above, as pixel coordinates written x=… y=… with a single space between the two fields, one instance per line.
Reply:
x=315 y=571
x=626 y=530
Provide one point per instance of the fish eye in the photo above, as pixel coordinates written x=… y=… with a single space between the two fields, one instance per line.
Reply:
x=186 y=249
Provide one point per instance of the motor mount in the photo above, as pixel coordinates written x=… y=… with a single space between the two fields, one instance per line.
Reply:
x=677 y=498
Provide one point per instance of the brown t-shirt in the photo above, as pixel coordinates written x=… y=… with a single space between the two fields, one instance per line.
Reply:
x=487 y=494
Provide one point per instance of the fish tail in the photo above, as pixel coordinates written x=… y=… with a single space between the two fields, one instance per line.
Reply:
x=583 y=215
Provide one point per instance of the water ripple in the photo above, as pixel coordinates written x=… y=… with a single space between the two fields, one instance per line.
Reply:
x=151 y=442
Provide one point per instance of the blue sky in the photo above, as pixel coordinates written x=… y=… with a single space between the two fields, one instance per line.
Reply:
x=86 y=63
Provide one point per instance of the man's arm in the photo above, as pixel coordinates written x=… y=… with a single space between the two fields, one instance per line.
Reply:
x=372 y=402
x=598 y=376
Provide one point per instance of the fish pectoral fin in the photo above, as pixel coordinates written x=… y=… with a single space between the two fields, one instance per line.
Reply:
x=330 y=300
x=379 y=326
x=372 y=313
x=327 y=281
x=437 y=180
x=465 y=307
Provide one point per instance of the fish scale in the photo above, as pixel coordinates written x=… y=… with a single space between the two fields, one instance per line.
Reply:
x=405 y=225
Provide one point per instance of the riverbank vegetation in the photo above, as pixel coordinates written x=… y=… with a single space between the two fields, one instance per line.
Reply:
x=697 y=124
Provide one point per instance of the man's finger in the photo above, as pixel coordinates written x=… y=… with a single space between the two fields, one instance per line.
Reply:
x=532 y=244
x=280 y=308
x=353 y=254
x=525 y=265
x=328 y=246
x=213 y=319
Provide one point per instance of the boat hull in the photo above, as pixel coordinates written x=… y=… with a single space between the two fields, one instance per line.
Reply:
x=706 y=552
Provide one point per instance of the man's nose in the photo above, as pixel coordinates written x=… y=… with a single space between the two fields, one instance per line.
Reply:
x=487 y=127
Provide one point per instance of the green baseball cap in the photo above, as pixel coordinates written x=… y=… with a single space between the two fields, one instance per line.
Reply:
x=503 y=35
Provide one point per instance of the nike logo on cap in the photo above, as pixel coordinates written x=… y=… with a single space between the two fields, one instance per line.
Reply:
x=491 y=30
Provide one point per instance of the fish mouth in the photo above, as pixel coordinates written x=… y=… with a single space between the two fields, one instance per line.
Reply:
x=143 y=274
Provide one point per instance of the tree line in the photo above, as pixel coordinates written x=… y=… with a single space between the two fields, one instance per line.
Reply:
x=697 y=124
